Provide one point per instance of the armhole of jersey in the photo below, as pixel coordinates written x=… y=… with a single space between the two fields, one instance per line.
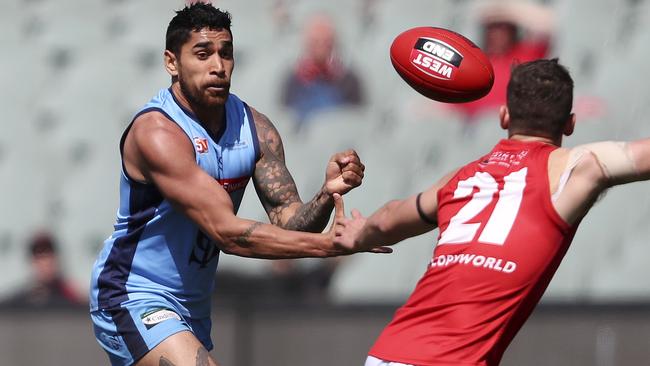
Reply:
x=126 y=131
x=548 y=196
x=253 y=128
x=574 y=159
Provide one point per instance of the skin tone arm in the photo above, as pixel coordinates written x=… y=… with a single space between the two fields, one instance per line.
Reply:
x=277 y=190
x=157 y=151
x=597 y=171
x=395 y=221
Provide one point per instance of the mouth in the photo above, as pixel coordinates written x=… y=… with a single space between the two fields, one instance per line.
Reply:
x=217 y=88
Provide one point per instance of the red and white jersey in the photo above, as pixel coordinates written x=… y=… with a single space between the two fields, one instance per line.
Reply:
x=500 y=243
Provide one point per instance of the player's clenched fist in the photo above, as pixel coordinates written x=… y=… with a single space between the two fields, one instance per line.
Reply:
x=344 y=172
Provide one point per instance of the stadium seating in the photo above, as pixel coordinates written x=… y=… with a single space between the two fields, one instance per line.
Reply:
x=76 y=71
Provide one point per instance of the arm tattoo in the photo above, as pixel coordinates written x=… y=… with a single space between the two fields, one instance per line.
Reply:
x=165 y=362
x=313 y=215
x=243 y=238
x=202 y=357
x=277 y=189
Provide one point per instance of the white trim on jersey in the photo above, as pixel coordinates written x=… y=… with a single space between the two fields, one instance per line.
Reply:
x=374 y=361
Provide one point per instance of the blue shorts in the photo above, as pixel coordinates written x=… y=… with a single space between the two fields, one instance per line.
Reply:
x=128 y=333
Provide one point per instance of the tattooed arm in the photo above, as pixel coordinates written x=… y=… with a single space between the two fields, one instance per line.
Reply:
x=156 y=151
x=277 y=190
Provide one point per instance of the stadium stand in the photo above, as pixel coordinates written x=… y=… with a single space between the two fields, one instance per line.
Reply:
x=92 y=64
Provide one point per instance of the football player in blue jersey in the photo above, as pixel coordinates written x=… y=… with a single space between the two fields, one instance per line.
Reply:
x=186 y=159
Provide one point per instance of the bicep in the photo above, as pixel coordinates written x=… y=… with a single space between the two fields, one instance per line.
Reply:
x=167 y=160
x=640 y=154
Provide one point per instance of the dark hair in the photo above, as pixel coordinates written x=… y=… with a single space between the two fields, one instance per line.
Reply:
x=42 y=243
x=193 y=18
x=540 y=97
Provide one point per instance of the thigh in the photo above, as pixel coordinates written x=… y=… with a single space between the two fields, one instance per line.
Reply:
x=180 y=349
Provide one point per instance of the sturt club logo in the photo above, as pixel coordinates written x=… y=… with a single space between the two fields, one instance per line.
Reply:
x=436 y=58
x=201 y=145
x=204 y=250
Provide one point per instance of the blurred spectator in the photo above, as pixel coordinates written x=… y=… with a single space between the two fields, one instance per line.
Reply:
x=305 y=280
x=320 y=80
x=281 y=16
x=513 y=32
x=294 y=281
x=49 y=287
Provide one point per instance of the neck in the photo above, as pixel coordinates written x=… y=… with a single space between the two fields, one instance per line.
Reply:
x=547 y=140
x=211 y=118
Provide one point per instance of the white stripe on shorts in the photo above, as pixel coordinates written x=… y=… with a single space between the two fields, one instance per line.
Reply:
x=374 y=361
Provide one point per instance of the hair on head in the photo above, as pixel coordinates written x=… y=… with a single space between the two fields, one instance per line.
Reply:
x=193 y=18
x=540 y=98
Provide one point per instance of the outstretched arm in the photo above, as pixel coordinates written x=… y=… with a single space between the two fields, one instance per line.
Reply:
x=595 y=167
x=277 y=190
x=156 y=151
x=395 y=221
x=640 y=155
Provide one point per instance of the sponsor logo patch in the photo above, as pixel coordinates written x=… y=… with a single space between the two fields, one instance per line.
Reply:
x=436 y=58
x=157 y=316
x=233 y=184
x=201 y=145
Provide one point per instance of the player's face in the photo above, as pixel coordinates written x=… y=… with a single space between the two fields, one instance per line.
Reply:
x=499 y=38
x=205 y=66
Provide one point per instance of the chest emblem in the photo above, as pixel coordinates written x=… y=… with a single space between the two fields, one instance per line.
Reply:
x=201 y=145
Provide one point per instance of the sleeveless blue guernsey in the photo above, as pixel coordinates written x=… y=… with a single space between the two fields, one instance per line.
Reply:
x=156 y=251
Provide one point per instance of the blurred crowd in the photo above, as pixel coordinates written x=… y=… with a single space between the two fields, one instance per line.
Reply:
x=48 y=285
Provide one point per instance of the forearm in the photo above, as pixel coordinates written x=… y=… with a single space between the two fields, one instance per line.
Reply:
x=254 y=239
x=311 y=216
x=395 y=221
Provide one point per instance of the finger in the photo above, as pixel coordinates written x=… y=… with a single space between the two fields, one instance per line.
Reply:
x=339 y=210
x=340 y=158
x=352 y=179
x=354 y=167
x=356 y=214
x=384 y=250
x=354 y=157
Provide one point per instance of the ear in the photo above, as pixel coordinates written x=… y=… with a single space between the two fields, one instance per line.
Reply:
x=171 y=63
x=570 y=125
x=504 y=117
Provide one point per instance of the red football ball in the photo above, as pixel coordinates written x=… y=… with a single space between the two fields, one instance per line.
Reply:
x=441 y=64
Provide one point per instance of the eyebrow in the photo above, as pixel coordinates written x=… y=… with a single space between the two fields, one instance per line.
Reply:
x=207 y=44
x=203 y=44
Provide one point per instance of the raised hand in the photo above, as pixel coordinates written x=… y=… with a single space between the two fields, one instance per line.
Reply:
x=344 y=172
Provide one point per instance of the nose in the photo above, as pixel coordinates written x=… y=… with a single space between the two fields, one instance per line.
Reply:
x=217 y=65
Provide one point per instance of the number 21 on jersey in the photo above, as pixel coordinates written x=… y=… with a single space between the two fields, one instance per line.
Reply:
x=498 y=225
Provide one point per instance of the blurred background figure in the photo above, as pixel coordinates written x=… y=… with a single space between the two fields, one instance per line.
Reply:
x=48 y=287
x=513 y=32
x=303 y=280
x=285 y=281
x=320 y=80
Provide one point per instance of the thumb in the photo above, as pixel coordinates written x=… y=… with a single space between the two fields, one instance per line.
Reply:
x=356 y=213
x=339 y=209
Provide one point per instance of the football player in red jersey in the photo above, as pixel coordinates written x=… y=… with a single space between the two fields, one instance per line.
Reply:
x=506 y=220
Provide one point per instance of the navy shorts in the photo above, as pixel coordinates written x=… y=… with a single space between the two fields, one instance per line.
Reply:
x=128 y=333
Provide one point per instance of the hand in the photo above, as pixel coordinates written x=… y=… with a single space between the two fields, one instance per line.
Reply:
x=346 y=230
x=344 y=172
